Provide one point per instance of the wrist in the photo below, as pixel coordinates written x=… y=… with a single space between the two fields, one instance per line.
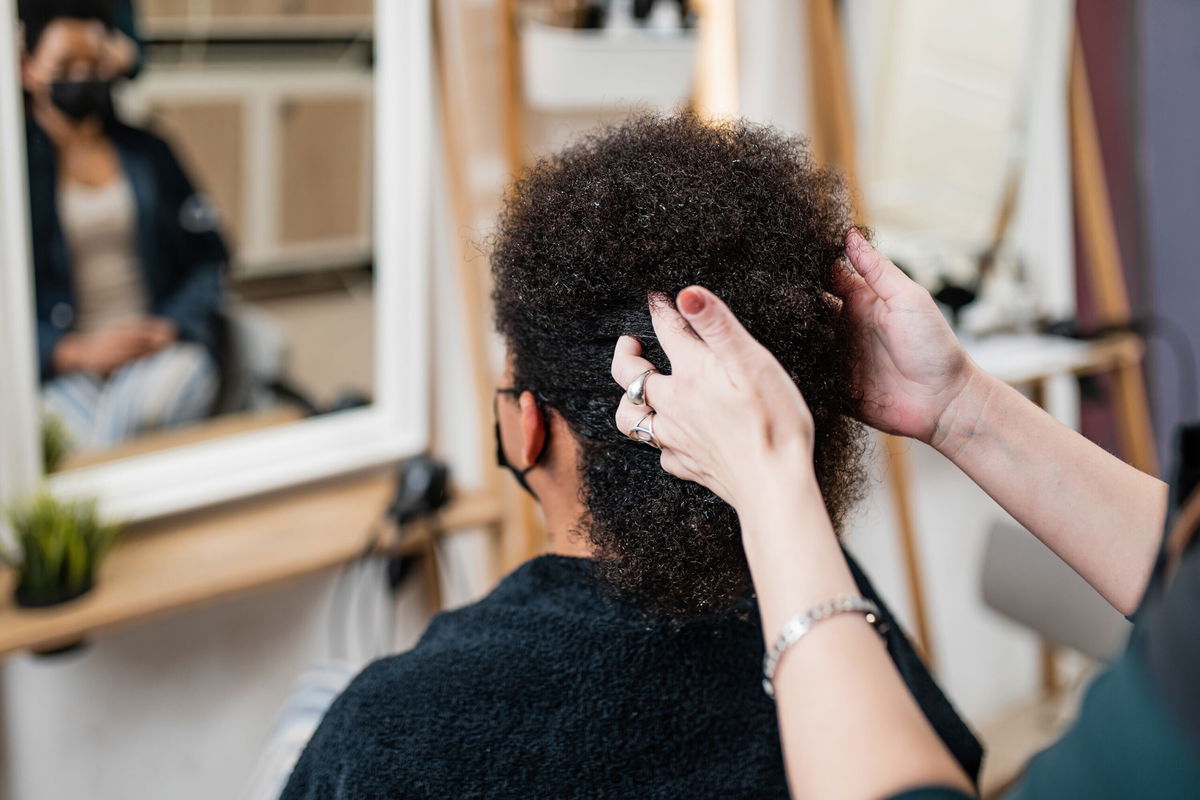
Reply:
x=790 y=484
x=962 y=419
x=795 y=562
x=786 y=526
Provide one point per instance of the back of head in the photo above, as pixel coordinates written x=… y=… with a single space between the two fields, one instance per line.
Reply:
x=37 y=15
x=653 y=205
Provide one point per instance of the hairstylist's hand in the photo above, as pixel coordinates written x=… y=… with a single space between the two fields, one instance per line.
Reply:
x=913 y=367
x=728 y=416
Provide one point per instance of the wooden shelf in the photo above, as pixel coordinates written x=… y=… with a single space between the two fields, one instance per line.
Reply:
x=262 y=28
x=1022 y=359
x=167 y=566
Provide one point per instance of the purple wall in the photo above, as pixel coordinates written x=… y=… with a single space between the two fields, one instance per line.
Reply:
x=1168 y=34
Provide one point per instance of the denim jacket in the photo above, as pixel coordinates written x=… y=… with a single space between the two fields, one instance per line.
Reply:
x=180 y=251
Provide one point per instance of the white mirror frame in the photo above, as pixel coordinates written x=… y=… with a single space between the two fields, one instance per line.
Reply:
x=198 y=475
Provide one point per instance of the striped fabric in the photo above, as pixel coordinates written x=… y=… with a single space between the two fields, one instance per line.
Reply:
x=303 y=710
x=169 y=388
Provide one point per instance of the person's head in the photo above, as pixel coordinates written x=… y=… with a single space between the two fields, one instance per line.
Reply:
x=63 y=63
x=653 y=205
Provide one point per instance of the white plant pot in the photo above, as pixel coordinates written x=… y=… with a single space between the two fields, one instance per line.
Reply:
x=565 y=69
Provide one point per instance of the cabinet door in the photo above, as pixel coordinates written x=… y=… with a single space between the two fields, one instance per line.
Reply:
x=339 y=8
x=323 y=163
x=153 y=11
x=208 y=137
x=224 y=9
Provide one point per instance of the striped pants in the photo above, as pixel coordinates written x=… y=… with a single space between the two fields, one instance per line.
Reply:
x=172 y=387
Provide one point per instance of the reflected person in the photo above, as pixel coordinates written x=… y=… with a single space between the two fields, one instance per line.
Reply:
x=127 y=258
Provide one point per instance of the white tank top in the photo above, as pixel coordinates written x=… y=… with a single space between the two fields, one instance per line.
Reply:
x=101 y=230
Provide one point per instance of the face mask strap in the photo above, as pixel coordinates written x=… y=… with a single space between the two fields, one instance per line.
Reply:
x=502 y=457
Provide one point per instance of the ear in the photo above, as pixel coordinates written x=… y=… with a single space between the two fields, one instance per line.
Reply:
x=533 y=429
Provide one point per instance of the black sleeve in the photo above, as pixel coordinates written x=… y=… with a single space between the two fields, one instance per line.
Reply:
x=1170 y=615
x=931 y=793
x=196 y=253
x=1170 y=639
x=943 y=717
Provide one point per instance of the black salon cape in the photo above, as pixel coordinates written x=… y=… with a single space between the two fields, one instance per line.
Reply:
x=550 y=688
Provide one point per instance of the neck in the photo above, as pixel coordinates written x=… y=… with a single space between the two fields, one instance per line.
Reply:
x=556 y=483
x=568 y=543
x=63 y=131
x=563 y=513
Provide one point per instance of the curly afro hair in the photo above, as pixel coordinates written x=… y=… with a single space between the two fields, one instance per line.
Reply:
x=655 y=204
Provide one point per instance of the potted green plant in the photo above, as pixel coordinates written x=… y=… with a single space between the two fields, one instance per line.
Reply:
x=60 y=544
x=56 y=443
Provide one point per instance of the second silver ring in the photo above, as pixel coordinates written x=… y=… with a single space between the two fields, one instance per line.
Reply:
x=644 y=432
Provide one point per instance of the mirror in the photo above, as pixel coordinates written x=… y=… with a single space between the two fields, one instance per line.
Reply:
x=204 y=266
x=962 y=131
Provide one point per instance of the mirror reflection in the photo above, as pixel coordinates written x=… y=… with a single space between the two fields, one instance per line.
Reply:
x=200 y=211
x=959 y=152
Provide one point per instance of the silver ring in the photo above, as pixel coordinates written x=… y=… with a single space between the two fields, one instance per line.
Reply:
x=637 y=389
x=644 y=432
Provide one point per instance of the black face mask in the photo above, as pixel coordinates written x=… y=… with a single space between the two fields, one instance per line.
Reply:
x=80 y=100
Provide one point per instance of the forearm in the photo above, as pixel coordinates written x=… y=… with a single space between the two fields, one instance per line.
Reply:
x=841 y=702
x=1100 y=515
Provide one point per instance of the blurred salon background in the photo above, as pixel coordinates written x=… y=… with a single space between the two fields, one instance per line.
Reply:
x=246 y=315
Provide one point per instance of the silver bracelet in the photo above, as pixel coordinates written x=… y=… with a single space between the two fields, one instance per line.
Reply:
x=799 y=625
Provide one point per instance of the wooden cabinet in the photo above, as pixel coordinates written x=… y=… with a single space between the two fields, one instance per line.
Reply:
x=334 y=8
x=285 y=153
x=260 y=18
x=209 y=139
x=156 y=10
x=224 y=9
x=324 y=160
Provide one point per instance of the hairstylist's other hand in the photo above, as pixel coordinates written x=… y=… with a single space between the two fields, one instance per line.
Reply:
x=913 y=367
x=728 y=416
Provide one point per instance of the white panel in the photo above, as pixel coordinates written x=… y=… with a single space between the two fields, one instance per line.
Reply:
x=773 y=79
x=20 y=449
x=949 y=88
x=1042 y=226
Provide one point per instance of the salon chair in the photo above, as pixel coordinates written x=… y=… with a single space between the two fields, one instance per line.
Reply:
x=252 y=349
x=1026 y=582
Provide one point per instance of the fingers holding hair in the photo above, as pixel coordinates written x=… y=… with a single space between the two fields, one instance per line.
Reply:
x=676 y=337
x=748 y=364
x=628 y=364
x=883 y=277
x=720 y=330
